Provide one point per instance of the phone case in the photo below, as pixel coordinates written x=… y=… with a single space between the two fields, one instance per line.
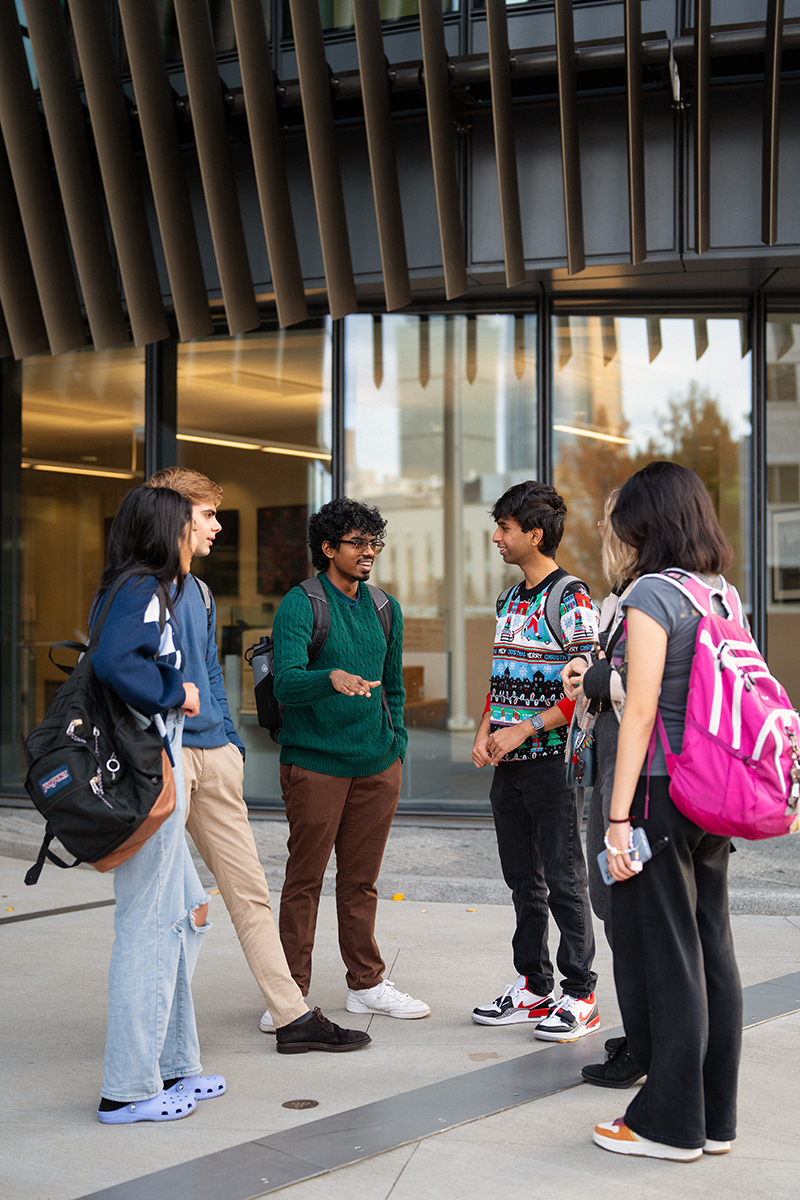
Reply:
x=642 y=845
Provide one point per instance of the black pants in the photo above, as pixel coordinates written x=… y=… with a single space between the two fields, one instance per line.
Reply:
x=677 y=980
x=537 y=819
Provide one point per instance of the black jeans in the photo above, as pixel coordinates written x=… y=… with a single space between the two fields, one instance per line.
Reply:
x=537 y=819
x=677 y=980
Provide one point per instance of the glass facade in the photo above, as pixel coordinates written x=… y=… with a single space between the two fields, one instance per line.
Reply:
x=783 y=500
x=429 y=417
x=627 y=390
x=82 y=449
x=440 y=420
x=254 y=415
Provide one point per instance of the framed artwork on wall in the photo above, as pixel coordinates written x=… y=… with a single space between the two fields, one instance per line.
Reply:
x=282 y=533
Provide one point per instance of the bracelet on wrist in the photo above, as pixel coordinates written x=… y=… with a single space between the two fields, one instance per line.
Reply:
x=619 y=820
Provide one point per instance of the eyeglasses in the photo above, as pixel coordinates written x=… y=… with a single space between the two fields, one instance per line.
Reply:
x=363 y=544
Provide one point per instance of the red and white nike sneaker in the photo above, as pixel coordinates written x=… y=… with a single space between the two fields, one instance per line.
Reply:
x=516 y=1006
x=570 y=1019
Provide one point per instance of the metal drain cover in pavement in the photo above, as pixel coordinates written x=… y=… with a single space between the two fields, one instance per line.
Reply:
x=300 y=1104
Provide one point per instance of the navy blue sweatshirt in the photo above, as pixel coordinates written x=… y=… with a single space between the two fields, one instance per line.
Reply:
x=213 y=726
x=130 y=640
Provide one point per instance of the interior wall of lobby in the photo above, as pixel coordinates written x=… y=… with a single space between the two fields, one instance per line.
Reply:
x=407 y=250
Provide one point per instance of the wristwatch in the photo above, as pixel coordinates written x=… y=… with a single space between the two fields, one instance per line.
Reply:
x=537 y=721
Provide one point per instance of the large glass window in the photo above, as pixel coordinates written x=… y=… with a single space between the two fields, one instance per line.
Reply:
x=82 y=449
x=254 y=415
x=440 y=420
x=783 y=500
x=627 y=390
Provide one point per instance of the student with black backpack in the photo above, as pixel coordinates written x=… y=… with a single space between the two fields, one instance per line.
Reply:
x=152 y=1056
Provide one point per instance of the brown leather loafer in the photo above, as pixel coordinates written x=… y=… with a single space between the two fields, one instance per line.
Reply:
x=318 y=1033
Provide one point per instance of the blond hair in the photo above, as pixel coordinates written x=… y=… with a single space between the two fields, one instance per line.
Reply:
x=197 y=488
x=616 y=556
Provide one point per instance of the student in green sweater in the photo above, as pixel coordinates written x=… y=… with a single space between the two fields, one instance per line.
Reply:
x=342 y=748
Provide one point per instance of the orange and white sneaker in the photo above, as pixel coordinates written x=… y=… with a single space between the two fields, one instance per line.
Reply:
x=570 y=1019
x=615 y=1136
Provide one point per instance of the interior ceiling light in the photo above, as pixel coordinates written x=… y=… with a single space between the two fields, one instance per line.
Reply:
x=207 y=439
x=64 y=469
x=590 y=433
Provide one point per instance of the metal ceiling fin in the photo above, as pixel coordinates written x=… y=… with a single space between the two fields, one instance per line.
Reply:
x=424 y=327
x=654 y=342
x=18 y=298
x=382 y=153
x=504 y=142
x=216 y=170
x=633 y=75
x=443 y=150
x=263 y=124
x=326 y=177
x=155 y=106
x=21 y=126
x=772 y=112
x=377 y=350
x=108 y=109
x=702 y=126
x=570 y=141
x=74 y=169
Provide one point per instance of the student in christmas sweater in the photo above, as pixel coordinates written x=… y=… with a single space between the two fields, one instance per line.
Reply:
x=341 y=754
x=522 y=735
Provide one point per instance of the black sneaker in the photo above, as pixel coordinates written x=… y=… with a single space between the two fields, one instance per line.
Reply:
x=618 y=1071
x=318 y=1033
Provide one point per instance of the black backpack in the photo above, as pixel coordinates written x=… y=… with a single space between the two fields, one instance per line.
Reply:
x=93 y=773
x=261 y=656
x=552 y=604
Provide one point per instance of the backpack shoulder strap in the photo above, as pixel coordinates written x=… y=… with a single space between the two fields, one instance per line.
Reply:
x=321 y=616
x=383 y=608
x=501 y=599
x=205 y=592
x=552 y=604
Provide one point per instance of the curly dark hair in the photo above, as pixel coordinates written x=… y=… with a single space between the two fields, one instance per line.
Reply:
x=535 y=505
x=335 y=520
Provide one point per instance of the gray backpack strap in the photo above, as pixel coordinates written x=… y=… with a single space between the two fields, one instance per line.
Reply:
x=552 y=605
x=383 y=608
x=321 y=616
x=501 y=599
x=205 y=592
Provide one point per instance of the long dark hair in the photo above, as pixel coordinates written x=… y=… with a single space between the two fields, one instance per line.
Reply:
x=665 y=513
x=146 y=536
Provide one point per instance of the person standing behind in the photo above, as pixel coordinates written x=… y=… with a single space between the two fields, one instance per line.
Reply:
x=537 y=816
x=342 y=748
x=216 y=814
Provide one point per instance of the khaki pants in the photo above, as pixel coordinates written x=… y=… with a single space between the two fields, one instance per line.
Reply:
x=216 y=818
x=355 y=816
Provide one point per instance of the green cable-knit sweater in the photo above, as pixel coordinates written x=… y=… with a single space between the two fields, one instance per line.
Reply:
x=324 y=730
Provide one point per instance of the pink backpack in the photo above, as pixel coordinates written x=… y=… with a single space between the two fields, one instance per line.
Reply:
x=738 y=772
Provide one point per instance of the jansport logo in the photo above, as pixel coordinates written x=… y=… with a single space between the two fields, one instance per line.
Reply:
x=59 y=779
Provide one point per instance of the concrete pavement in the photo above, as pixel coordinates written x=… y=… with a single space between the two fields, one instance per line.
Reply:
x=454 y=955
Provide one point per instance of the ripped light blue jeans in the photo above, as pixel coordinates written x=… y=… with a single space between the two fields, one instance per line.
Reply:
x=151 y=1033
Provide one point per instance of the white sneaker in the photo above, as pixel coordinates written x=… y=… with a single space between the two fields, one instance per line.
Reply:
x=266 y=1024
x=712 y=1147
x=516 y=1006
x=570 y=1019
x=385 y=999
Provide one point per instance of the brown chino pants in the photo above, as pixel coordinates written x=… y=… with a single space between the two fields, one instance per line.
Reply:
x=354 y=816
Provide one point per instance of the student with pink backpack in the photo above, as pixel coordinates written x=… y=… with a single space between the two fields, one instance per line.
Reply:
x=674 y=965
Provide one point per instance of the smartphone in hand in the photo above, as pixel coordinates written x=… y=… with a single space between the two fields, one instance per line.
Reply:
x=641 y=844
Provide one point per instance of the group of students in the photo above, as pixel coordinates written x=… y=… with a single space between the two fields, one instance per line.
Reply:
x=675 y=971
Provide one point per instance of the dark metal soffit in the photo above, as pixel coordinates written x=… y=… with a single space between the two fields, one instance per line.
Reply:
x=39 y=284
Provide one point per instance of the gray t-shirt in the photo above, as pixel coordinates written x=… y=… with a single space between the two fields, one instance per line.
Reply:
x=673 y=611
